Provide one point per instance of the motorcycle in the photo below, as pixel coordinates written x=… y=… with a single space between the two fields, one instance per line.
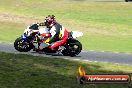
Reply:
x=30 y=40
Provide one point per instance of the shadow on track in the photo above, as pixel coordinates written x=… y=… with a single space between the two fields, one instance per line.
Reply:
x=53 y=54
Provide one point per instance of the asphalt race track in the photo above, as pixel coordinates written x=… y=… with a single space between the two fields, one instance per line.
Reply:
x=84 y=55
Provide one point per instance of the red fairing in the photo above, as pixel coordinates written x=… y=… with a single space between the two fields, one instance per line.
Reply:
x=62 y=40
x=46 y=34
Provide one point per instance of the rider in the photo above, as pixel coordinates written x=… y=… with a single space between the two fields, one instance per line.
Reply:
x=59 y=34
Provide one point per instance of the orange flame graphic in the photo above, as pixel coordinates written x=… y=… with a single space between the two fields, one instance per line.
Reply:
x=81 y=71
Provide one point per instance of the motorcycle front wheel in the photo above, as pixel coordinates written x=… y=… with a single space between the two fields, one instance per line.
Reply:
x=22 y=45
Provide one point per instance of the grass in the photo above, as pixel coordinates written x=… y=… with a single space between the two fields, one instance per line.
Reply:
x=106 y=24
x=9 y=31
x=26 y=71
x=115 y=43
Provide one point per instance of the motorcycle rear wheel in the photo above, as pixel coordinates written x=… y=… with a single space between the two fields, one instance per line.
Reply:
x=73 y=48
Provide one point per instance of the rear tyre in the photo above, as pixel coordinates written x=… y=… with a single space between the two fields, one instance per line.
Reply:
x=73 y=48
x=128 y=0
x=22 y=45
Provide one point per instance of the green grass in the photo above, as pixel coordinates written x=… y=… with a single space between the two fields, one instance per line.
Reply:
x=26 y=71
x=106 y=24
x=108 y=43
x=10 y=31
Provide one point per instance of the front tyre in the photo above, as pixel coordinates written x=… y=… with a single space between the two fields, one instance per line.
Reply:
x=73 y=48
x=22 y=45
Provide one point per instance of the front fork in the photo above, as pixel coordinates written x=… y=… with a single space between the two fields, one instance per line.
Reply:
x=36 y=43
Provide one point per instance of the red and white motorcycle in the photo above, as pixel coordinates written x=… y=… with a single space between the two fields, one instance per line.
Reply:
x=30 y=40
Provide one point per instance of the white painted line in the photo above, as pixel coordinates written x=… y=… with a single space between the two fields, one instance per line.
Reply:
x=34 y=54
x=128 y=53
x=76 y=59
x=102 y=51
x=86 y=60
x=108 y=52
x=116 y=52
x=11 y=43
x=90 y=61
x=95 y=61
x=84 y=51
x=91 y=50
x=66 y=58
x=117 y=63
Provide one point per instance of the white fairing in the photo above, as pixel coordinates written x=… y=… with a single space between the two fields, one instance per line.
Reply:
x=43 y=30
x=76 y=34
x=28 y=31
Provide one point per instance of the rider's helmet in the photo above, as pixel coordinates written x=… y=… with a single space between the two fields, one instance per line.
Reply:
x=50 y=20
